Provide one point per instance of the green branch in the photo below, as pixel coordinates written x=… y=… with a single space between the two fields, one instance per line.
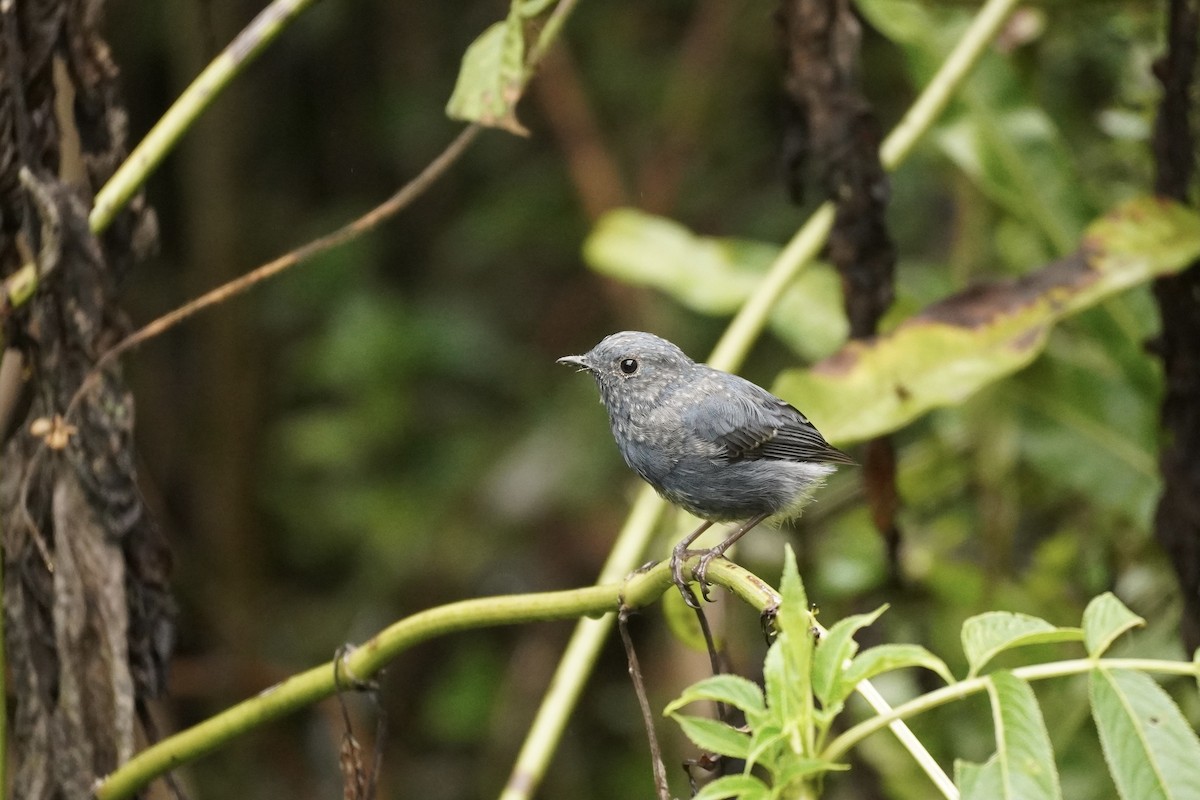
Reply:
x=362 y=662
x=576 y=664
x=957 y=691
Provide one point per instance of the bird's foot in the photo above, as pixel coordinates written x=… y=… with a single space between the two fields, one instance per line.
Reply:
x=701 y=570
x=679 y=557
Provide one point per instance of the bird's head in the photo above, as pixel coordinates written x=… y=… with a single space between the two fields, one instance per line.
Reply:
x=632 y=367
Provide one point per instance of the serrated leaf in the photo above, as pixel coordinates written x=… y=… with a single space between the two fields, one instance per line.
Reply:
x=492 y=77
x=1104 y=619
x=978 y=781
x=793 y=614
x=779 y=689
x=733 y=690
x=834 y=649
x=714 y=736
x=885 y=658
x=742 y=787
x=1023 y=752
x=986 y=635
x=716 y=275
x=969 y=340
x=788 y=666
x=1152 y=752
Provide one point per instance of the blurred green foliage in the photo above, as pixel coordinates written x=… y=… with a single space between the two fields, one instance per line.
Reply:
x=385 y=429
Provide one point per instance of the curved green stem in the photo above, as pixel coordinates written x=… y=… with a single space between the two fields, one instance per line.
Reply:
x=909 y=740
x=1036 y=672
x=360 y=663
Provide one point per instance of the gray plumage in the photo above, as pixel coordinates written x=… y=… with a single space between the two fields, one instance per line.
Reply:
x=713 y=443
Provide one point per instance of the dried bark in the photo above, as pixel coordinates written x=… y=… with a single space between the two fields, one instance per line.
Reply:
x=1177 y=519
x=88 y=614
x=833 y=133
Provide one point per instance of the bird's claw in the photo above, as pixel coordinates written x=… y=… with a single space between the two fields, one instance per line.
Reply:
x=679 y=557
x=701 y=572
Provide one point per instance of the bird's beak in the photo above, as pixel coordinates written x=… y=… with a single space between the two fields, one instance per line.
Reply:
x=576 y=361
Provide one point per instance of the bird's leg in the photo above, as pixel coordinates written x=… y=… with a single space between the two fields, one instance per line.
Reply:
x=719 y=550
x=678 y=556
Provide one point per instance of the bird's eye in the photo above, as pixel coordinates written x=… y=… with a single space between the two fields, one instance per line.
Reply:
x=629 y=365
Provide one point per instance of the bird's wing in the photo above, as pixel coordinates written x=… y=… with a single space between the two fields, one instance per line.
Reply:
x=751 y=423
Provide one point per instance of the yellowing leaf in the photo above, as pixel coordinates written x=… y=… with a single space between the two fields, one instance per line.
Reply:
x=957 y=346
x=492 y=78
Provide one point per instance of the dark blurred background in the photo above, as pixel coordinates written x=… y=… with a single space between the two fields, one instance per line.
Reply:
x=384 y=429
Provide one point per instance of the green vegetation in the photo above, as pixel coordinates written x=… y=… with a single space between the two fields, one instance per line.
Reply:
x=382 y=434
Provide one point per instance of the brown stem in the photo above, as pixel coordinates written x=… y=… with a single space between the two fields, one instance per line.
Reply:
x=639 y=688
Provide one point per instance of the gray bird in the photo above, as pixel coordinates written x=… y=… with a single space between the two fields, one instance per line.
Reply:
x=715 y=444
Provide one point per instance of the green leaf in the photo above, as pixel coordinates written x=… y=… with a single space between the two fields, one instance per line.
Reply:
x=1023 y=751
x=715 y=276
x=733 y=690
x=986 y=635
x=778 y=686
x=712 y=276
x=492 y=77
x=714 y=736
x=979 y=781
x=788 y=667
x=742 y=787
x=1104 y=619
x=885 y=658
x=767 y=744
x=833 y=650
x=795 y=769
x=1152 y=752
x=793 y=615
x=965 y=342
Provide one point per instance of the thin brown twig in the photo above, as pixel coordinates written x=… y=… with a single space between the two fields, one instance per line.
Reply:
x=714 y=656
x=367 y=222
x=639 y=688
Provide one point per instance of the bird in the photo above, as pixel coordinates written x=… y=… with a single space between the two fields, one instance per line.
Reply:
x=713 y=443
